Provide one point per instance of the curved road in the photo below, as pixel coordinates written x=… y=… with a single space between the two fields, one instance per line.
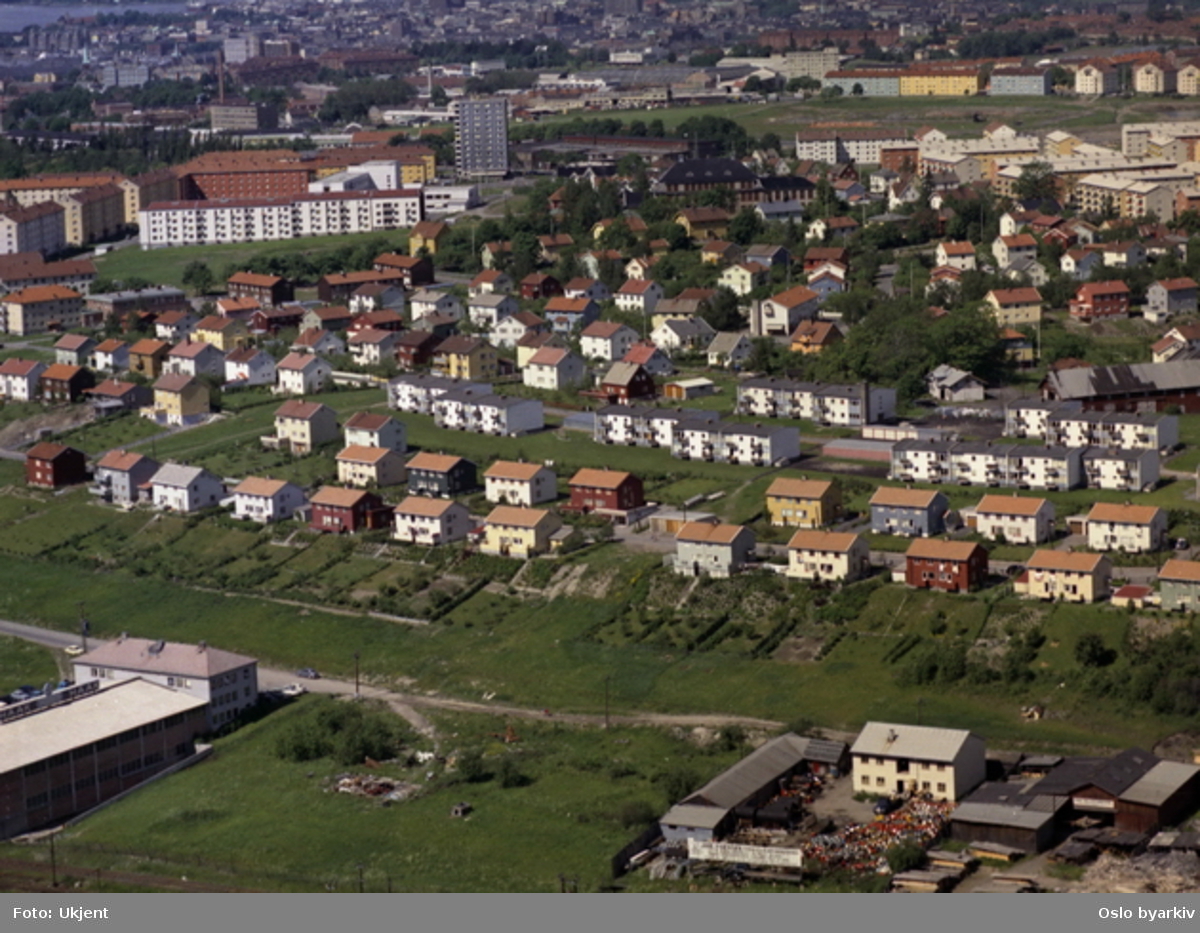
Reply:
x=409 y=705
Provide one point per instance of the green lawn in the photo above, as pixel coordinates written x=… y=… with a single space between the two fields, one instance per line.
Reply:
x=165 y=266
x=23 y=663
x=232 y=820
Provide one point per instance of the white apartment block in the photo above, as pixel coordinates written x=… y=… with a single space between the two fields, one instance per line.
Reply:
x=1122 y=470
x=969 y=464
x=842 y=405
x=418 y=391
x=258 y=220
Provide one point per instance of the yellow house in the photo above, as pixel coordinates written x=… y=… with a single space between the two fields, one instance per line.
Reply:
x=224 y=333
x=803 y=503
x=828 y=555
x=178 y=399
x=1075 y=577
x=510 y=531
x=462 y=357
x=425 y=236
x=704 y=223
x=920 y=82
x=1012 y=307
x=814 y=336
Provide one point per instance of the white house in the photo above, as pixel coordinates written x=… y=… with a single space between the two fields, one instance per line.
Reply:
x=180 y=488
x=302 y=374
x=509 y=482
x=729 y=350
x=509 y=331
x=639 y=295
x=780 y=314
x=895 y=758
x=193 y=358
x=1015 y=519
x=428 y=302
x=678 y=334
x=266 y=500
x=606 y=340
x=553 y=368
x=487 y=310
x=19 y=379
x=368 y=429
x=250 y=366
x=373 y=347
x=1132 y=528
x=421 y=520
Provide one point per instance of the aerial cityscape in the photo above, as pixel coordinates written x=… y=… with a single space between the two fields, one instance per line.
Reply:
x=637 y=445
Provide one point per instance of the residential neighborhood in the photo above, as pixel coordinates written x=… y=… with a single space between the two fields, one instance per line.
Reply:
x=758 y=447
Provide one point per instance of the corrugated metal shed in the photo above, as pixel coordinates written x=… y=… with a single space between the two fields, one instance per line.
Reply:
x=1160 y=782
x=997 y=814
x=760 y=767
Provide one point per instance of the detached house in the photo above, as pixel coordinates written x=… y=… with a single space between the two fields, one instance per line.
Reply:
x=180 y=488
x=510 y=531
x=224 y=333
x=641 y=296
x=606 y=340
x=539 y=285
x=250 y=366
x=302 y=374
x=19 y=379
x=50 y=466
x=1097 y=300
x=488 y=310
x=121 y=475
x=913 y=512
x=368 y=429
x=953 y=566
x=111 y=356
x=554 y=369
x=712 y=550
x=302 y=427
x=508 y=482
x=1168 y=297
x=430 y=522
x=179 y=399
x=74 y=349
x=1179 y=585
x=370 y=466
x=1012 y=307
x=1075 y=577
x=266 y=500
x=196 y=359
x=828 y=555
x=61 y=382
x=627 y=382
x=779 y=315
x=490 y=282
x=268 y=290
x=1131 y=528
x=803 y=503
x=348 y=511
x=897 y=758
x=729 y=350
x=445 y=475
x=372 y=347
x=1015 y=519
x=606 y=491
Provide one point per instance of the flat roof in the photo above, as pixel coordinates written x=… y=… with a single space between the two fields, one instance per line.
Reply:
x=127 y=704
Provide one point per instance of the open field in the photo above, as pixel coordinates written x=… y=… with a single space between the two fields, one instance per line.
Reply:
x=1096 y=119
x=230 y=821
x=23 y=663
x=165 y=266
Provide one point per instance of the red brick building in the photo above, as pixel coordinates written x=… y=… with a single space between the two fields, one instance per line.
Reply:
x=348 y=510
x=414 y=348
x=953 y=566
x=273 y=320
x=612 y=490
x=1100 y=300
x=417 y=270
x=49 y=465
x=540 y=285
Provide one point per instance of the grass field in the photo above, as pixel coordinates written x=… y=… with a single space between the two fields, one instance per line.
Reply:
x=23 y=663
x=165 y=266
x=580 y=796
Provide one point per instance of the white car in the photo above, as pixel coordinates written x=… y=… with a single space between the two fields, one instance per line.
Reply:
x=73 y=651
x=294 y=690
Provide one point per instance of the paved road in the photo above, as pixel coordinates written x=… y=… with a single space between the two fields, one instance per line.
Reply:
x=409 y=705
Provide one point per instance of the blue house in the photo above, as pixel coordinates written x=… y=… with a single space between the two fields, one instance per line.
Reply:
x=914 y=512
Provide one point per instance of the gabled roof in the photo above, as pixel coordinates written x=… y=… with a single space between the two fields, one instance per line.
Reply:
x=924 y=743
x=299 y=409
x=1187 y=571
x=178 y=475
x=705 y=533
x=121 y=460
x=174 y=382
x=338 y=497
x=46 y=450
x=599 y=479
x=437 y=463
x=1070 y=561
x=357 y=453
x=904 y=498
x=1024 y=506
x=425 y=507
x=622 y=373
x=73 y=342
x=838 y=541
x=260 y=486
x=368 y=421
x=795 y=296
x=135 y=654
x=790 y=488
x=513 y=469
x=936 y=549
x=1124 y=514
x=516 y=516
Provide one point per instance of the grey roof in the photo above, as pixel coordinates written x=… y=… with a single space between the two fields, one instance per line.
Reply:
x=1160 y=782
x=752 y=773
x=725 y=343
x=1114 y=453
x=897 y=740
x=950 y=376
x=621 y=373
x=700 y=817
x=179 y=475
x=146 y=656
x=490 y=300
x=1125 y=378
x=506 y=401
x=997 y=814
x=1113 y=775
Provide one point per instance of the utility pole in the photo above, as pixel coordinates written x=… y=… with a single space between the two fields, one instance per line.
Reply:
x=606 y=679
x=356 y=694
x=53 y=864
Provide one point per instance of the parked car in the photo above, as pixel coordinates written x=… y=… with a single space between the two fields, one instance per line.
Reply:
x=308 y=673
x=885 y=805
x=73 y=651
x=294 y=690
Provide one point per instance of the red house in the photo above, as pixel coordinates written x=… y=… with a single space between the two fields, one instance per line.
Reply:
x=417 y=270
x=1100 y=300
x=540 y=285
x=817 y=256
x=624 y=383
x=348 y=510
x=953 y=566
x=62 y=382
x=273 y=320
x=414 y=348
x=613 y=490
x=49 y=466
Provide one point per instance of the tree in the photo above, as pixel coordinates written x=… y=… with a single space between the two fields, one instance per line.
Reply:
x=857 y=90
x=1036 y=182
x=1091 y=652
x=438 y=96
x=804 y=84
x=198 y=277
x=831 y=93
x=745 y=226
x=722 y=312
x=905 y=856
x=472 y=766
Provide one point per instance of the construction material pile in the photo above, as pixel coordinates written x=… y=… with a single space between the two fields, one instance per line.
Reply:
x=863 y=846
x=372 y=785
x=1155 y=872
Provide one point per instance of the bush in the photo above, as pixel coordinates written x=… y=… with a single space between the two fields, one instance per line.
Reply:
x=346 y=733
x=508 y=773
x=905 y=856
x=635 y=814
x=471 y=766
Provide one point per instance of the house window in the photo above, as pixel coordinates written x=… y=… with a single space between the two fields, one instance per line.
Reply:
x=879 y=782
x=866 y=780
x=941 y=787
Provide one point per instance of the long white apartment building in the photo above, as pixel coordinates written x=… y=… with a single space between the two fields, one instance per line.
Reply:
x=1066 y=425
x=259 y=220
x=826 y=403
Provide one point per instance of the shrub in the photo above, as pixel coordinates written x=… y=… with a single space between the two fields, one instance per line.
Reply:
x=635 y=814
